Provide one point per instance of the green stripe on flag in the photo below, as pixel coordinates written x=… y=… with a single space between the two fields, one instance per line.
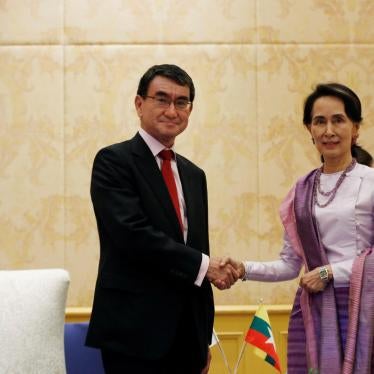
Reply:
x=261 y=326
x=270 y=360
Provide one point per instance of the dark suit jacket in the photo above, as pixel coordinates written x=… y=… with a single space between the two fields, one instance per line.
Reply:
x=146 y=273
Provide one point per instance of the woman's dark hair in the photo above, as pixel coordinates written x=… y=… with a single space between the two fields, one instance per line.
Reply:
x=361 y=155
x=173 y=72
x=352 y=104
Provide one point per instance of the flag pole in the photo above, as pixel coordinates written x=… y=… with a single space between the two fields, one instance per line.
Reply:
x=240 y=357
x=224 y=357
x=215 y=341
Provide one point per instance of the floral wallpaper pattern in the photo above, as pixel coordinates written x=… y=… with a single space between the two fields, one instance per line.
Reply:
x=68 y=76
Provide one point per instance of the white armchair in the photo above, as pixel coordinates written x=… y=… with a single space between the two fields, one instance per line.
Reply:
x=32 y=315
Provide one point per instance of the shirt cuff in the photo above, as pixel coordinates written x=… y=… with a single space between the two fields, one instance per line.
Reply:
x=203 y=270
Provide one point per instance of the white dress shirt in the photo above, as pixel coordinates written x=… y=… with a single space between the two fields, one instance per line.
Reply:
x=346 y=228
x=156 y=147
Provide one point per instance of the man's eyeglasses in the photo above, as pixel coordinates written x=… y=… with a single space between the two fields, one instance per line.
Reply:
x=165 y=102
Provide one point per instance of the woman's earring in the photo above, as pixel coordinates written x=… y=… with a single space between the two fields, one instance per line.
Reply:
x=313 y=141
x=354 y=139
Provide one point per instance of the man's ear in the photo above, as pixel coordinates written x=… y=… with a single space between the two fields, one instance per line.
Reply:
x=138 y=105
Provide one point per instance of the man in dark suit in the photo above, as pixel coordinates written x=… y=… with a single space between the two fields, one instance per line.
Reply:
x=153 y=306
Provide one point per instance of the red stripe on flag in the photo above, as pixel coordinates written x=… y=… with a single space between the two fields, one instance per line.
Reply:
x=259 y=340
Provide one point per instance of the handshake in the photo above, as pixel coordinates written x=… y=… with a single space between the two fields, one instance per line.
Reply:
x=224 y=272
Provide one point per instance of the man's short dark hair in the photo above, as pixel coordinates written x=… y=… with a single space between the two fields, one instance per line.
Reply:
x=172 y=72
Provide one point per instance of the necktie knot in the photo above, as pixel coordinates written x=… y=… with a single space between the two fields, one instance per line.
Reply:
x=166 y=154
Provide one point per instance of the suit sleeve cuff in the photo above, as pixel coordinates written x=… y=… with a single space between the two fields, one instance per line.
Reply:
x=203 y=270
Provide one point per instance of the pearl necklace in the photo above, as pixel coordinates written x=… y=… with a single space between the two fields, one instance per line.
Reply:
x=332 y=193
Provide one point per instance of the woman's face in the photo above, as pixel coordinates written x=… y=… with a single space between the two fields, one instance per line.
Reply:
x=333 y=132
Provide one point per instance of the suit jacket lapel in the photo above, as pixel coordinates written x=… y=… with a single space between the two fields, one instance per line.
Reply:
x=147 y=165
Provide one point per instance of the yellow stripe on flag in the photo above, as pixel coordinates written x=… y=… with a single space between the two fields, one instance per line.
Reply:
x=259 y=353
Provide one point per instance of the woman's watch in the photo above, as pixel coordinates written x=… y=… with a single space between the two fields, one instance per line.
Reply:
x=324 y=274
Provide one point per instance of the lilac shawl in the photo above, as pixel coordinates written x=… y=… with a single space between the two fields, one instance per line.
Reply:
x=323 y=346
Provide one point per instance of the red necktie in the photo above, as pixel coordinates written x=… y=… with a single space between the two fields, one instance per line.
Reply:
x=166 y=155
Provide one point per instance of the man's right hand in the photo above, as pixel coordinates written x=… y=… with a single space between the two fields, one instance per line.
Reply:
x=222 y=276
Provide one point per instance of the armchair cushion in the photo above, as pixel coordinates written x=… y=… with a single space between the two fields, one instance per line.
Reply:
x=32 y=314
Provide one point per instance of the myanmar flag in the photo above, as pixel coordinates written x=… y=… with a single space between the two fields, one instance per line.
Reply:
x=261 y=336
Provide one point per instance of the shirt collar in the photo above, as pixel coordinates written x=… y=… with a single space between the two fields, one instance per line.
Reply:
x=153 y=144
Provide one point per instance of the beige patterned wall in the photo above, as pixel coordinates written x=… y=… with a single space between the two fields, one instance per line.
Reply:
x=68 y=74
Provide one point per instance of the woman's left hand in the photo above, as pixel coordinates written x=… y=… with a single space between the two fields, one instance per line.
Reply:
x=312 y=281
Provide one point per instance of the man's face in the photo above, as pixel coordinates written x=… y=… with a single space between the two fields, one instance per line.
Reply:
x=164 y=122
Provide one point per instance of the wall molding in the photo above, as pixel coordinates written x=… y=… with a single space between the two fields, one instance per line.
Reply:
x=77 y=314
